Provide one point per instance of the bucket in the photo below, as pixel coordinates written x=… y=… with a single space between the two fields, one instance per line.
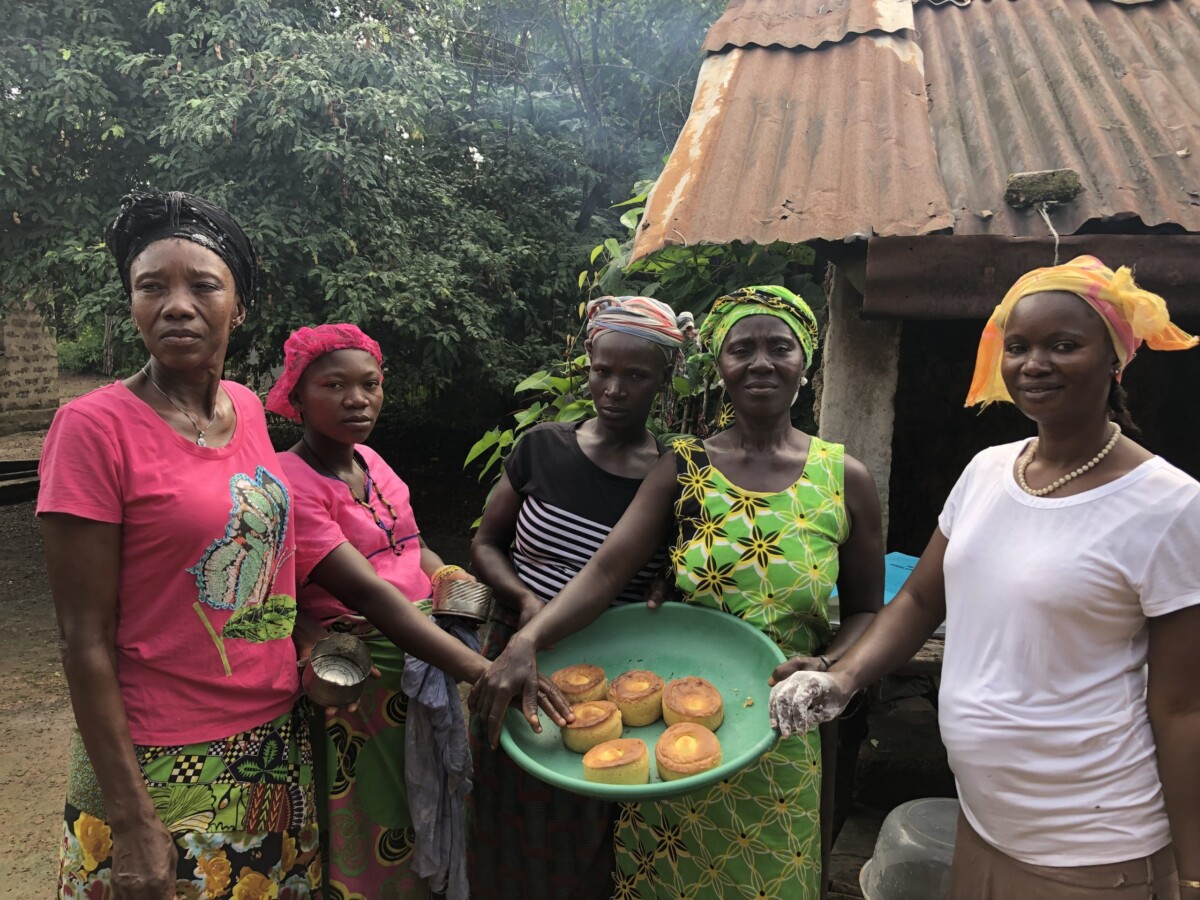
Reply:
x=913 y=852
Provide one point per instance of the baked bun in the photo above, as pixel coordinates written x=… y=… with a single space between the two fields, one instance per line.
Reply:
x=581 y=683
x=623 y=761
x=686 y=749
x=638 y=695
x=692 y=699
x=595 y=722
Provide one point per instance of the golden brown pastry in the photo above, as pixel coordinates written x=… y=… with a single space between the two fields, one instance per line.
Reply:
x=595 y=722
x=686 y=749
x=581 y=683
x=623 y=761
x=638 y=695
x=692 y=699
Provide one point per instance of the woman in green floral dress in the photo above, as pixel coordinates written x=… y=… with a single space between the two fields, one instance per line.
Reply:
x=766 y=521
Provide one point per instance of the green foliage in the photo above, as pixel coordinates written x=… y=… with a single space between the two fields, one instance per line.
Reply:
x=685 y=278
x=556 y=394
x=432 y=172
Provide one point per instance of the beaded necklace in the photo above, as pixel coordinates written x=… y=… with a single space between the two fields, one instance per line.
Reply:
x=365 y=500
x=1027 y=458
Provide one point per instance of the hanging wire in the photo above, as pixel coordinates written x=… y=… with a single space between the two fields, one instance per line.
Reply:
x=1041 y=207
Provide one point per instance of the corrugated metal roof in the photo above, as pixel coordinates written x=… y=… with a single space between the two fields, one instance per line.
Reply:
x=1112 y=92
x=760 y=165
x=786 y=23
x=887 y=130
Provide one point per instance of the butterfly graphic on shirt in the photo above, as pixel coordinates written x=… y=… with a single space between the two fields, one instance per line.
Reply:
x=237 y=570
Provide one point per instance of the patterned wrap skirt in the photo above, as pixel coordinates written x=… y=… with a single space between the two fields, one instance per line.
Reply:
x=241 y=811
x=362 y=791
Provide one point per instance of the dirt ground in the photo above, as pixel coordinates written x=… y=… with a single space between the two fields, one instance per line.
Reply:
x=35 y=712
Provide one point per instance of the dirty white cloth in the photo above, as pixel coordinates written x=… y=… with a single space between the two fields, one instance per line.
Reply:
x=437 y=768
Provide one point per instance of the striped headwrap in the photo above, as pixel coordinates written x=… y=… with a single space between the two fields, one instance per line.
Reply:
x=762 y=300
x=643 y=317
x=1130 y=314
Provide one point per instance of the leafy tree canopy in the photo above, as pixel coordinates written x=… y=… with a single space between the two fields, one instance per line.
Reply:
x=435 y=172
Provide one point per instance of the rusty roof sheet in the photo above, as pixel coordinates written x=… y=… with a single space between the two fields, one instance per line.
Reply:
x=786 y=23
x=899 y=130
x=759 y=166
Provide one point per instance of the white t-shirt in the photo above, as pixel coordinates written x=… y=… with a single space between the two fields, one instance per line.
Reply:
x=1042 y=703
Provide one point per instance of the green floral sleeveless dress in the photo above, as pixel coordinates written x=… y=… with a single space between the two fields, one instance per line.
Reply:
x=772 y=561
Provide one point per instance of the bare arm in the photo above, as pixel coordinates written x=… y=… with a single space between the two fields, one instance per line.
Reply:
x=83 y=563
x=629 y=547
x=430 y=561
x=1174 y=706
x=904 y=625
x=807 y=698
x=860 y=560
x=490 y=552
x=347 y=575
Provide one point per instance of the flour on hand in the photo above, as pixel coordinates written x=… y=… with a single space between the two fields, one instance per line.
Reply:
x=804 y=700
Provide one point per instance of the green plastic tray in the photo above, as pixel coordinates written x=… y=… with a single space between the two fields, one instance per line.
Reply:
x=674 y=640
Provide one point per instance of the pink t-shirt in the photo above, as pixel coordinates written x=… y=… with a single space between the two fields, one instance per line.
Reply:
x=326 y=515
x=207 y=581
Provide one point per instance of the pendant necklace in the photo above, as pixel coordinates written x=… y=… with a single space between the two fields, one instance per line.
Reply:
x=199 y=431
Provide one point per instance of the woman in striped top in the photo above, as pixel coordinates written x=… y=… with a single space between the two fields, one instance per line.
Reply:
x=564 y=487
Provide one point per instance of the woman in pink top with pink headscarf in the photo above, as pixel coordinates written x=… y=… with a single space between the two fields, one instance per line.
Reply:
x=362 y=567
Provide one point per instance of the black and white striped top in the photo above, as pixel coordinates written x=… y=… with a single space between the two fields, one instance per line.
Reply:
x=569 y=506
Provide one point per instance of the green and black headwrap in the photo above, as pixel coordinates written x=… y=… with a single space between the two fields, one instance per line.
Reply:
x=763 y=300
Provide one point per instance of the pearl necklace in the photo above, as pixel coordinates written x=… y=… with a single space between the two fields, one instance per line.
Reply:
x=1027 y=458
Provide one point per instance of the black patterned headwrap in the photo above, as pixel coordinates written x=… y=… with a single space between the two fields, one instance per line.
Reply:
x=149 y=216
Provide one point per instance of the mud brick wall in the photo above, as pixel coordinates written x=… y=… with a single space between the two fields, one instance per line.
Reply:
x=28 y=371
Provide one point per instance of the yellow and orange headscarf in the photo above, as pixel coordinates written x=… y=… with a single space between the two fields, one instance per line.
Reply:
x=1130 y=314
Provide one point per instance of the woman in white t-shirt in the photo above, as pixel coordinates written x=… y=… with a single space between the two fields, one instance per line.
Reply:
x=1062 y=565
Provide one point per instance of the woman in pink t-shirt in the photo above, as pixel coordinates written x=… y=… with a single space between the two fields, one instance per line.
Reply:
x=362 y=567
x=167 y=528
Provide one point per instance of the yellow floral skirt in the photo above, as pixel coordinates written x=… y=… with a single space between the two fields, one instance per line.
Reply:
x=241 y=811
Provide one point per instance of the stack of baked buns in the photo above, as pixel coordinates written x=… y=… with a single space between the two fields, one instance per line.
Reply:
x=691 y=706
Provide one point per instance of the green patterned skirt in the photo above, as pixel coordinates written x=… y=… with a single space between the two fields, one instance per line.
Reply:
x=241 y=811
x=755 y=835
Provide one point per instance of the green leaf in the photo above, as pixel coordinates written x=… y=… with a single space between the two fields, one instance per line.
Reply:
x=525 y=416
x=538 y=381
x=630 y=217
x=640 y=198
x=65 y=52
x=270 y=620
x=596 y=251
x=573 y=412
x=613 y=248
x=492 y=460
x=487 y=441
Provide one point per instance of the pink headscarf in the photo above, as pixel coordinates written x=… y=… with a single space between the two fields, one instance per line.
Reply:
x=306 y=345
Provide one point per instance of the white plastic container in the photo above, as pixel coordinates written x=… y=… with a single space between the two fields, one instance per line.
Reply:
x=913 y=852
